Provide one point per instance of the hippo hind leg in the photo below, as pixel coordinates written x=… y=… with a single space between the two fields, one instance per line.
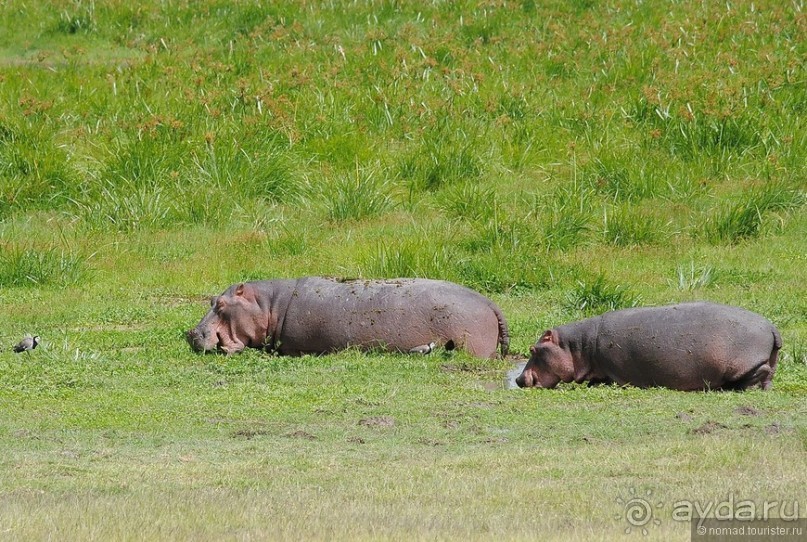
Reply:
x=760 y=375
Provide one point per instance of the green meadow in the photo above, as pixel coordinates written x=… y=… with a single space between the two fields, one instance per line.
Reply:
x=563 y=157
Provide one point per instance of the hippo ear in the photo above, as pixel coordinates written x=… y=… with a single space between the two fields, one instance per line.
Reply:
x=548 y=336
x=239 y=290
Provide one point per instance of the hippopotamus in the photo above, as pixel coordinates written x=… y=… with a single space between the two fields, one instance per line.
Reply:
x=688 y=346
x=315 y=315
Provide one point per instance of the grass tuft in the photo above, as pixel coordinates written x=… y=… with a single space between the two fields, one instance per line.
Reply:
x=411 y=257
x=566 y=217
x=627 y=226
x=599 y=296
x=689 y=278
x=440 y=163
x=82 y=20
x=744 y=219
x=30 y=266
x=357 y=196
x=469 y=201
x=126 y=207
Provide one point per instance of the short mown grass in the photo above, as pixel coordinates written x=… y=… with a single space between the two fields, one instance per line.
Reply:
x=563 y=158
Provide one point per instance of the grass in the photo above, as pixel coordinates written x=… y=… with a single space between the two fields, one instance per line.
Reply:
x=598 y=296
x=746 y=217
x=28 y=265
x=691 y=278
x=357 y=197
x=563 y=158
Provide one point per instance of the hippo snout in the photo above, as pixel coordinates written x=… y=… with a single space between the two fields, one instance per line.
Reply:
x=198 y=340
x=193 y=339
x=525 y=379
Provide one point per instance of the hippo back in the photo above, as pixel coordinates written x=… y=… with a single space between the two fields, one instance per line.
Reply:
x=327 y=315
x=684 y=345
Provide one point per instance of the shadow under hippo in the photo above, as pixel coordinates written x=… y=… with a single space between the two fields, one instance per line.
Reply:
x=689 y=346
x=315 y=315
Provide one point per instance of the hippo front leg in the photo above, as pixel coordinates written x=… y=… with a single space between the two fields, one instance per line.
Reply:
x=230 y=345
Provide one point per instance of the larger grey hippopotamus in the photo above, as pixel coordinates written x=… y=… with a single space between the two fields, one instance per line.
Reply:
x=690 y=346
x=316 y=315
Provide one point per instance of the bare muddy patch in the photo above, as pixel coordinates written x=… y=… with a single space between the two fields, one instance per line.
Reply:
x=708 y=428
x=249 y=434
x=747 y=411
x=773 y=429
x=378 y=421
x=300 y=434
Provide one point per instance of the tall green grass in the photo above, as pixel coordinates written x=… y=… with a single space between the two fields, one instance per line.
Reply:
x=359 y=195
x=412 y=257
x=691 y=278
x=599 y=295
x=630 y=226
x=35 y=171
x=745 y=218
x=27 y=265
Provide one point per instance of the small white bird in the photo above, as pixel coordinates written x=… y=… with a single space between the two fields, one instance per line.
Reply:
x=422 y=349
x=27 y=344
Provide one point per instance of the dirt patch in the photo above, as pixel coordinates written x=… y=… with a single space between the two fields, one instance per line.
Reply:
x=747 y=411
x=378 y=421
x=773 y=429
x=305 y=435
x=684 y=417
x=430 y=442
x=707 y=428
x=249 y=434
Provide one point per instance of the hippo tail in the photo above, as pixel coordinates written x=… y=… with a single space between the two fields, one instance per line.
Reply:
x=777 y=345
x=504 y=331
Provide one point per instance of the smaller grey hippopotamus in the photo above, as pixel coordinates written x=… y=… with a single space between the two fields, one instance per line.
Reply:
x=315 y=315
x=689 y=346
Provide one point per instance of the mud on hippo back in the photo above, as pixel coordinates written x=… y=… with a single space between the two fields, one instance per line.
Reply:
x=314 y=315
x=689 y=346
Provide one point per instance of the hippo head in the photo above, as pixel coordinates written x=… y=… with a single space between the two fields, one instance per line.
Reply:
x=549 y=364
x=235 y=321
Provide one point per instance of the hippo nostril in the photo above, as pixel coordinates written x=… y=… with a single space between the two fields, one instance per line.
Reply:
x=520 y=381
x=196 y=339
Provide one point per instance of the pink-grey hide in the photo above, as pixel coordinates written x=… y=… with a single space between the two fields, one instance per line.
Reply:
x=689 y=346
x=315 y=315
